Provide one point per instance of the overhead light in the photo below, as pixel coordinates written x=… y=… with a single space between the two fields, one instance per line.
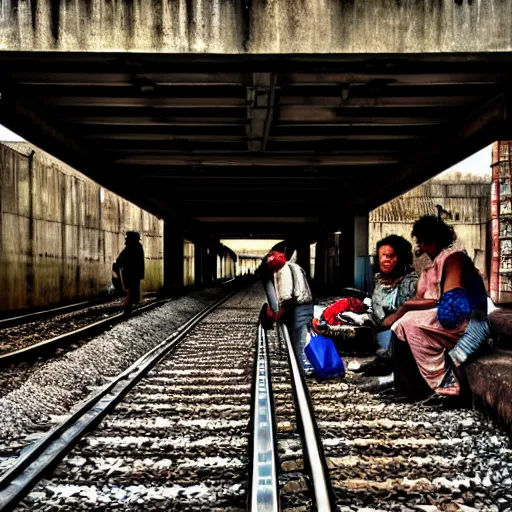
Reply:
x=337 y=232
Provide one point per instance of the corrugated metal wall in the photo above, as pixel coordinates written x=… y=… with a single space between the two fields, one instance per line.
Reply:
x=60 y=232
x=465 y=197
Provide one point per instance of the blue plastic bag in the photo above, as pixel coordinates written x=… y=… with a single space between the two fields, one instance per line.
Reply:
x=322 y=354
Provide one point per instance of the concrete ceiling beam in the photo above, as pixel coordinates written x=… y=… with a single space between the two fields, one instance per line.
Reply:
x=26 y=118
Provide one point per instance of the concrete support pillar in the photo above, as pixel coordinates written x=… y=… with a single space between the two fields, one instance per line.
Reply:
x=346 y=254
x=303 y=255
x=320 y=277
x=210 y=261
x=361 y=225
x=198 y=264
x=173 y=259
x=205 y=275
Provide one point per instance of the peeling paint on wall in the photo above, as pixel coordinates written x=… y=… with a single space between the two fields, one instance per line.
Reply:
x=257 y=26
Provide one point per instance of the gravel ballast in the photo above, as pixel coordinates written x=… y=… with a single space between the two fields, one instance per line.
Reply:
x=56 y=385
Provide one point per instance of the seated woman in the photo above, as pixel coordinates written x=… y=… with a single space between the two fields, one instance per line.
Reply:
x=395 y=282
x=451 y=303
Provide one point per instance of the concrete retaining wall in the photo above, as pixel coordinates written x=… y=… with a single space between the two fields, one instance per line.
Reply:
x=60 y=232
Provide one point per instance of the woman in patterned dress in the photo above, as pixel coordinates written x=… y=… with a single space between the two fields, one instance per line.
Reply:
x=451 y=303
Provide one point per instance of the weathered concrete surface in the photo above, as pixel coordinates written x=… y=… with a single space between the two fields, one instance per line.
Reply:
x=257 y=26
x=60 y=232
x=465 y=196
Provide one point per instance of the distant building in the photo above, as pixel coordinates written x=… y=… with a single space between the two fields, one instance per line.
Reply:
x=501 y=215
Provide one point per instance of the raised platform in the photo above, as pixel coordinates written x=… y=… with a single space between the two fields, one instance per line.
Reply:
x=489 y=378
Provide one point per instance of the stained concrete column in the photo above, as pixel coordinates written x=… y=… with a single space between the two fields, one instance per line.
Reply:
x=173 y=259
x=303 y=256
x=346 y=263
x=320 y=278
x=209 y=261
x=361 y=225
x=198 y=263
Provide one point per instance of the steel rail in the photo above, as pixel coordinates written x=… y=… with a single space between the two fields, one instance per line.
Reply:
x=263 y=495
x=322 y=488
x=45 y=313
x=32 y=351
x=45 y=455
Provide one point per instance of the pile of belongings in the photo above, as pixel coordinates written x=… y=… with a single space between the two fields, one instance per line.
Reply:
x=341 y=317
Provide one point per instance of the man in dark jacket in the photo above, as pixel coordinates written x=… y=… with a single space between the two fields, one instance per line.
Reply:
x=131 y=269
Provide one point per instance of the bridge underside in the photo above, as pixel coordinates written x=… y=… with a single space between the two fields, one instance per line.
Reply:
x=262 y=144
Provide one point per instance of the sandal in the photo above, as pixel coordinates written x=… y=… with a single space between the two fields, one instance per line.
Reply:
x=449 y=385
x=448 y=391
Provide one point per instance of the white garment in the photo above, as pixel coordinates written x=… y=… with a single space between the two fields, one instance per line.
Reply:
x=292 y=285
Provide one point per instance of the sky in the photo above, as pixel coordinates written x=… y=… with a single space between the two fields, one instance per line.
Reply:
x=479 y=163
x=6 y=134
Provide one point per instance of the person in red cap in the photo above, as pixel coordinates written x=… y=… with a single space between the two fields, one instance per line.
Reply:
x=295 y=302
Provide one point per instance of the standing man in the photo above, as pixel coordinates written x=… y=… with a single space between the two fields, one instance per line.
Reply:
x=131 y=270
x=295 y=302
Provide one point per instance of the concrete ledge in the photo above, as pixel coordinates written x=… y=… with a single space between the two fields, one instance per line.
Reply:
x=500 y=321
x=489 y=380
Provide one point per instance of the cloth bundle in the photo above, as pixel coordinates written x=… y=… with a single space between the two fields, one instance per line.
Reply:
x=344 y=311
x=453 y=308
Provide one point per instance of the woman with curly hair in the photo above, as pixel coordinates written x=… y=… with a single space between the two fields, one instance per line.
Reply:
x=448 y=315
x=395 y=283
x=395 y=280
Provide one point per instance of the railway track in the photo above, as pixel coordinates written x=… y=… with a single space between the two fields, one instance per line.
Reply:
x=390 y=455
x=384 y=453
x=26 y=342
x=178 y=437
x=13 y=321
x=181 y=437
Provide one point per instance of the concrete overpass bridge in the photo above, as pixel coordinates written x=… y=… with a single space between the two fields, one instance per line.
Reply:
x=264 y=118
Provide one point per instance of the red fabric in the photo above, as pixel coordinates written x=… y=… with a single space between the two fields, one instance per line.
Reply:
x=340 y=306
x=276 y=260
